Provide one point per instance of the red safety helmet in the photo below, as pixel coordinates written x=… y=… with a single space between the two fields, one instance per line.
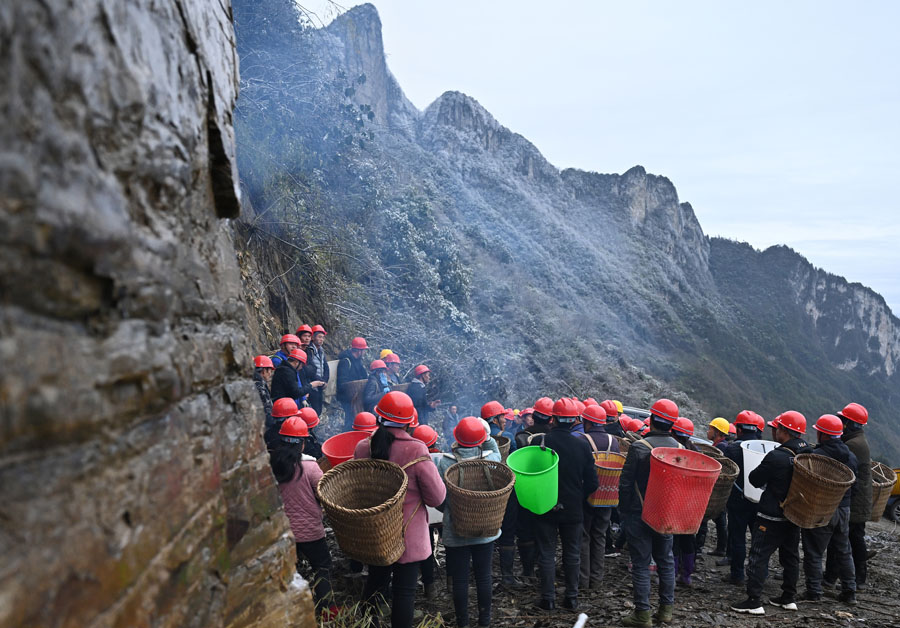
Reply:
x=544 y=406
x=421 y=370
x=365 y=422
x=298 y=354
x=747 y=419
x=392 y=358
x=358 y=343
x=636 y=425
x=855 y=412
x=733 y=430
x=415 y=422
x=426 y=434
x=646 y=422
x=492 y=409
x=526 y=411
x=397 y=407
x=580 y=405
x=760 y=421
x=829 y=424
x=684 y=426
x=263 y=362
x=304 y=329
x=310 y=416
x=666 y=409
x=590 y=401
x=289 y=338
x=792 y=420
x=294 y=428
x=284 y=407
x=772 y=424
x=594 y=414
x=377 y=364
x=318 y=329
x=565 y=410
x=469 y=432
x=610 y=408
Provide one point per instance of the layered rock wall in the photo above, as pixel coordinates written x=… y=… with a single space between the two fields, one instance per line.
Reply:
x=134 y=485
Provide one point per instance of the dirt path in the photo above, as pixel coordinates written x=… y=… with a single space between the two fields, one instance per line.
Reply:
x=705 y=604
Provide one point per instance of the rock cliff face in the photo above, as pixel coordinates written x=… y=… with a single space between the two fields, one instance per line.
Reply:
x=134 y=482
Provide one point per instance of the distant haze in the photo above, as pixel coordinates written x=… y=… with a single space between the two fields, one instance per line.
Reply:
x=777 y=121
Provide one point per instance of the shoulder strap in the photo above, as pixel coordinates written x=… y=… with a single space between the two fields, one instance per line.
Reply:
x=416 y=461
x=590 y=440
x=541 y=434
x=609 y=442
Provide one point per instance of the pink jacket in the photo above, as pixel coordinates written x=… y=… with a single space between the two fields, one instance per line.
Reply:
x=424 y=485
x=300 y=503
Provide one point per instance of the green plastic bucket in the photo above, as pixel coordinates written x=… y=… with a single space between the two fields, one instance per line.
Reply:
x=537 y=477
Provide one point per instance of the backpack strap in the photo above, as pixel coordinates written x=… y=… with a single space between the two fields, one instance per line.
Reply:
x=541 y=434
x=590 y=440
x=416 y=461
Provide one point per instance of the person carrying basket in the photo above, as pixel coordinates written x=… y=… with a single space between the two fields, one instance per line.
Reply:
x=393 y=442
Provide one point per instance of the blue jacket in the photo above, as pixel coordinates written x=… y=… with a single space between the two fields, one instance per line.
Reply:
x=279 y=357
x=444 y=462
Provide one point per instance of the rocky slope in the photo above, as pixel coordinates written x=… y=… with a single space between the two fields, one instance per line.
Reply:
x=135 y=485
x=463 y=245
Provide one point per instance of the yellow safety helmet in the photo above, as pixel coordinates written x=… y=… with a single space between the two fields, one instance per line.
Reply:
x=385 y=352
x=618 y=405
x=720 y=424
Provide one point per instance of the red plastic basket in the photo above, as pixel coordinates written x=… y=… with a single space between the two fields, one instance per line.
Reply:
x=678 y=490
x=340 y=447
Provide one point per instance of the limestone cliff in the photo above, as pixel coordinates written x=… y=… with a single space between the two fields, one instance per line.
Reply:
x=134 y=484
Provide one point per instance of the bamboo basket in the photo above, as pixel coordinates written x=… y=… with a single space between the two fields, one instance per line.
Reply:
x=364 y=503
x=608 y=465
x=817 y=487
x=883 y=480
x=624 y=444
x=710 y=450
x=354 y=391
x=324 y=464
x=478 y=491
x=722 y=489
x=503 y=446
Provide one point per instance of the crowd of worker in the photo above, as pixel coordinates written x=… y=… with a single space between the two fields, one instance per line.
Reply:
x=404 y=430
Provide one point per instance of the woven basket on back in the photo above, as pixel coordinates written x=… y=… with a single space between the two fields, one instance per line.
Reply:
x=478 y=491
x=709 y=450
x=324 y=464
x=364 y=503
x=722 y=489
x=883 y=480
x=817 y=487
x=624 y=444
x=608 y=465
x=503 y=445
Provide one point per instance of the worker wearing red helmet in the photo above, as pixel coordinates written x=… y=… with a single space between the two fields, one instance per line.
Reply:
x=577 y=479
x=772 y=531
x=298 y=475
x=613 y=427
x=741 y=511
x=350 y=369
x=263 y=370
x=317 y=366
x=304 y=333
x=288 y=343
x=393 y=365
x=854 y=417
x=598 y=511
x=418 y=391
x=684 y=546
x=376 y=386
x=835 y=537
x=392 y=441
x=282 y=409
x=289 y=379
x=643 y=541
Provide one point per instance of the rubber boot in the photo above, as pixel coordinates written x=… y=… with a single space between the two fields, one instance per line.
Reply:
x=664 y=614
x=641 y=619
x=507 y=556
x=687 y=566
x=677 y=558
x=527 y=554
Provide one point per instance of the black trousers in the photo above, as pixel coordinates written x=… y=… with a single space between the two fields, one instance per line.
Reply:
x=741 y=515
x=769 y=536
x=402 y=577
x=427 y=565
x=721 y=532
x=593 y=545
x=859 y=551
x=834 y=537
x=318 y=556
x=570 y=534
x=458 y=561
x=510 y=519
x=315 y=400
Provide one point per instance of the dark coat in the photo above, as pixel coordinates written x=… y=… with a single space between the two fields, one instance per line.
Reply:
x=309 y=369
x=775 y=473
x=263 y=389
x=615 y=429
x=835 y=448
x=602 y=440
x=577 y=478
x=350 y=369
x=861 y=500
x=526 y=434
x=287 y=382
x=636 y=471
x=376 y=386
x=417 y=393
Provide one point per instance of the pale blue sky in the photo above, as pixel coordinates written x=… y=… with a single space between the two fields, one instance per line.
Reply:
x=778 y=121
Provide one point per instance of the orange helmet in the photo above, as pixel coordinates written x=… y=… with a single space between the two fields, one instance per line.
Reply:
x=358 y=343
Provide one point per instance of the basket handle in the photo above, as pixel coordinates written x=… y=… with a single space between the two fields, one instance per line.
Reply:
x=417 y=460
